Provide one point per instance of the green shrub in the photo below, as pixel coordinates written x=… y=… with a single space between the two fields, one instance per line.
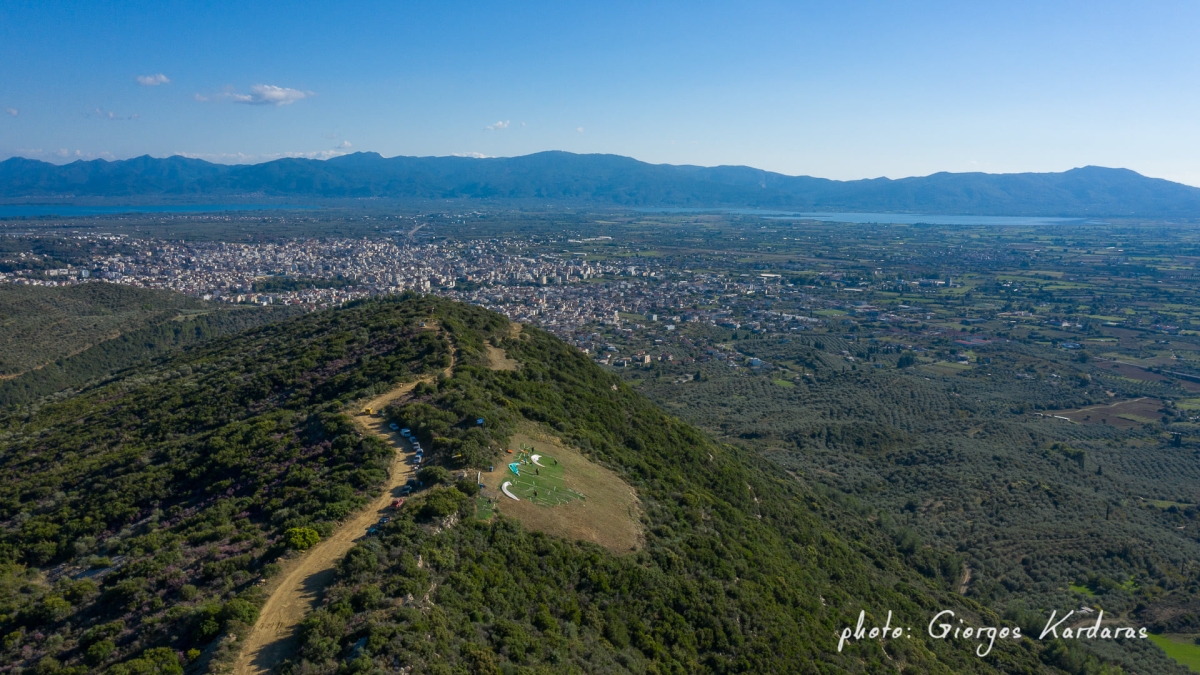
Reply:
x=441 y=503
x=99 y=652
x=156 y=661
x=468 y=487
x=432 y=475
x=240 y=610
x=301 y=538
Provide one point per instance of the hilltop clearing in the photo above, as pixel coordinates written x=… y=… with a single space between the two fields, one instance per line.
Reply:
x=607 y=514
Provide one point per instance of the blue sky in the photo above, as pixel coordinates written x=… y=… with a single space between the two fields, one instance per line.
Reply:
x=836 y=89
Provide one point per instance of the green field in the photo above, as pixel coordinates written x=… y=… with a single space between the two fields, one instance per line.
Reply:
x=541 y=483
x=1186 y=653
x=484 y=509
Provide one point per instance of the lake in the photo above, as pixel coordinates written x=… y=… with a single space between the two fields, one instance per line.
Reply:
x=914 y=218
x=882 y=218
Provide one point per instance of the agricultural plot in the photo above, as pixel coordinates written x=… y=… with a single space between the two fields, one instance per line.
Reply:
x=1122 y=414
x=1182 y=648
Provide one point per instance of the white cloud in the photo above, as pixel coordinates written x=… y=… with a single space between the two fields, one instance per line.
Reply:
x=100 y=113
x=247 y=158
x=346 y=145
x=12 y=112
x=473 y=155
x=260 y=94
x=579 y=129
x=503 y=124
x=267 y=94
x=153 y=80
x=61 y=154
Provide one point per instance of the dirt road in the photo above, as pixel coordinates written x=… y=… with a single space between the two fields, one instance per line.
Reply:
x=302 y=579
x=300 y=583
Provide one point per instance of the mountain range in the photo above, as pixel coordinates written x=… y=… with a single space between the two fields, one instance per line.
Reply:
x=601 y=180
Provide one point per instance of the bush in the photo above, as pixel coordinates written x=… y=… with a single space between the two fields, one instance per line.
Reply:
x=99 y=652
x=157 y=661
x=441 y=503
x=433 y=475
x=301 y=538
x=468 y=487
x=53 y=608
x=240 y=610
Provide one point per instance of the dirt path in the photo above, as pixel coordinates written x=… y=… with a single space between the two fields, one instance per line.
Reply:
x=302 y=579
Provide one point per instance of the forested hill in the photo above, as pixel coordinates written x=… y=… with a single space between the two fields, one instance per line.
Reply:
x=57 y=337
x=138 y=518
x=601 y=179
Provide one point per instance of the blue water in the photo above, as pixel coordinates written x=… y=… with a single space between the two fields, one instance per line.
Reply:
x=914 y=218
x=41 y=210
x=882 y=218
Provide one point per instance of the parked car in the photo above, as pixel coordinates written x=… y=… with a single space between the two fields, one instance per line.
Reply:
x=394 y=426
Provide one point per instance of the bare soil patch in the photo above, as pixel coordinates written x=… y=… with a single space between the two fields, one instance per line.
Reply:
x=1133 y=372
x=498 y=359
x=1122 y=414
x=609 y=514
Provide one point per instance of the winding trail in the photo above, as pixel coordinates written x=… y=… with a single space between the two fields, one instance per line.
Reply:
x=302 y=579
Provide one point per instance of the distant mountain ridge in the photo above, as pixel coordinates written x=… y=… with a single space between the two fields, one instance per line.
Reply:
x=603 y=179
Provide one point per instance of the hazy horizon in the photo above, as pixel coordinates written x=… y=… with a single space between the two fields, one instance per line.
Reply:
x=70 y=160
x=844 y=92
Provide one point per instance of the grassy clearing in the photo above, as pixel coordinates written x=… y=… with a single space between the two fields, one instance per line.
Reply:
x=784 y=383
x=1083 y=590
x=1181 y=648
x=484 y=508
x=605 y=513
x=498 y=359
x=538 y=478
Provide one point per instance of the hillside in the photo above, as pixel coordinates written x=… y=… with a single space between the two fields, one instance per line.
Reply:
x=54 y=338
x=41 y=323
x=600 y=179
x=138 y=519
